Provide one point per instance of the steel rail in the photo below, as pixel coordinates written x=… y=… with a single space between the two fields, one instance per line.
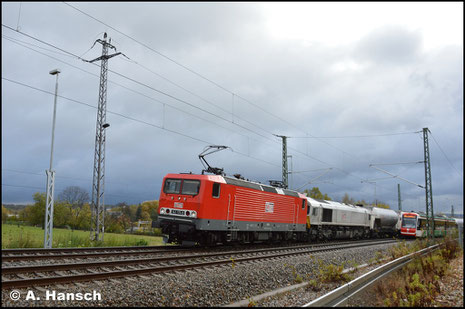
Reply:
x=79 y=249
x=103 y=254
x=123 y=273
x=69 y=266
x=340 y=296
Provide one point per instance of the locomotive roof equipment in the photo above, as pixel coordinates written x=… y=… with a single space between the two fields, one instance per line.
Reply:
x=209 y=150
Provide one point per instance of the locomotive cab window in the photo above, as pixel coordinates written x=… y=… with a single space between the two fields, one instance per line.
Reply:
x=190 y=187
x=181 y=186
x=303 y=204
x=409 y=222
x=172 y=186
x=216 y=190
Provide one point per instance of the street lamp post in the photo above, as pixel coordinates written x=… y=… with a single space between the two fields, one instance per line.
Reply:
x=48 y=228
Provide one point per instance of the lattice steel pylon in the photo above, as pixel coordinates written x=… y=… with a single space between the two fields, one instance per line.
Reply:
x=285 y=172
x=428 y=187
x=98 y=184
x=49 y=201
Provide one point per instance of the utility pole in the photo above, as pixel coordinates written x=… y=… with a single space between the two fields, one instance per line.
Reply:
x=398 y=194
x=285 y=173
x=452 y=211
x=428 y=186
x=48 y=226
x=98 y=205
x=291 y=183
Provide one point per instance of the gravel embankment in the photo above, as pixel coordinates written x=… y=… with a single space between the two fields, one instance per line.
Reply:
x=212 y=287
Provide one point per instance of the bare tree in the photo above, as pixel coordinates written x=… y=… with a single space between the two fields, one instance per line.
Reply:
x=75 y=196
x=348 y=200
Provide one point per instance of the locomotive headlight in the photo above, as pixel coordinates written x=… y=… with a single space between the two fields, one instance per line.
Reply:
x=193 y=214
x=162 y=211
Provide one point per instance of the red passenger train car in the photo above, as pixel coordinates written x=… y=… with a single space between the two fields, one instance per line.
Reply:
x=409 y=223
x=208 y=209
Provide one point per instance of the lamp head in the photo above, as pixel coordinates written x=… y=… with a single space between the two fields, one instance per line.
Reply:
x=54 y=72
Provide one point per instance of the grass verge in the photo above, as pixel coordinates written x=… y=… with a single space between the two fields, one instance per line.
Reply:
x=14 y=236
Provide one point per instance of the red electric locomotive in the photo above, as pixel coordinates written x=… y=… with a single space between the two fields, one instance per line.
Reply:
x=208 y=209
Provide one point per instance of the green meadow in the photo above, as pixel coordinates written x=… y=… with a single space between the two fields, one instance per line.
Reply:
x=14 y=236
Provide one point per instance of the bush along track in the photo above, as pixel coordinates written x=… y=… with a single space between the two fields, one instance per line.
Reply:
x=417 y=284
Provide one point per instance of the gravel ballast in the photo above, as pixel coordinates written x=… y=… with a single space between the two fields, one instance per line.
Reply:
x=207 y=287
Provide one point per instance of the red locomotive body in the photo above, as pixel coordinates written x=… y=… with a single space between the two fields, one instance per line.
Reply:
x=211 y=208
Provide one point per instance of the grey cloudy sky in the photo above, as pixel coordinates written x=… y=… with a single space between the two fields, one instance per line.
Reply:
x=340 y=79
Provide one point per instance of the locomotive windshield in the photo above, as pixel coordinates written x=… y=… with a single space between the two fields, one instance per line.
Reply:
x=409 y=222
x=190 y=187
x=181 y=186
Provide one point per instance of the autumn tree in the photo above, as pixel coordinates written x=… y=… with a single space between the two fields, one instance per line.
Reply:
x=4 y=214
x=74 y=196
x=316 y=194
x=382 y=205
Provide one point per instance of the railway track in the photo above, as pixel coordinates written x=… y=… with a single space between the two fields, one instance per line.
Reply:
x=66 y=253
x=14 y=255
x=36 y=275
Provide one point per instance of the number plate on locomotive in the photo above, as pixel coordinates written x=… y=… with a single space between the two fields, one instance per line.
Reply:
x=178 y=212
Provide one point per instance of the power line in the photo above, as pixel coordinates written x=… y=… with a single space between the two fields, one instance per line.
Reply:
x=180 y=101
x=134 y=119
x=19 y=42
x=39 y=188
x=460 y=174
x=145 y=85
x=358 y=136
x=28 y=187
x=183 y=101
x=198 y=96
x=203 y=77
x=65 y=177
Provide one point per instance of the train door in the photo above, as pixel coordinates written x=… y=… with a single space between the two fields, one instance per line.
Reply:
x=231 y=209
x=296 y=215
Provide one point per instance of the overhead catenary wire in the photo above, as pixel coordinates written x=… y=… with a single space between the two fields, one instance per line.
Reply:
x=135 y=119
x=306 y=155
x=359 y=136
x=324 y=137
x=120 y=85
x=183 y=101
x=458 y=172
x=205 y=78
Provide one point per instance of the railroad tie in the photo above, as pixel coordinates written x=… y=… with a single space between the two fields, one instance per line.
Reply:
x=98 y=282
x=143 y=277
x=40 y=289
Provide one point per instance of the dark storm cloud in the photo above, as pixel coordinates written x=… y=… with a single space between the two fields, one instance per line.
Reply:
x=381 y=83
